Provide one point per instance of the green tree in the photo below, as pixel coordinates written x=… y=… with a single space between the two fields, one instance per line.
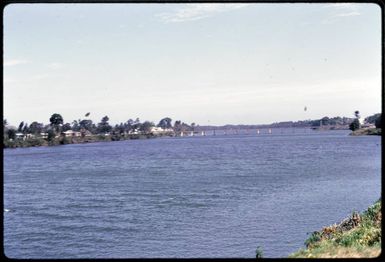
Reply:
x=128 y=125
x=35 y=128
x=75 y=125
x=258 y=253
x=165 y=123
x=378 y=122
x=56 y=120
x=25 y=128
x=178 y=126
x=325 y=121
x=20 y=128
x=66 y=127
x=355 y=125
x=119 y=128
x=146 y=127
x=51 y=135
x=136 y=124
x=86 y=124
x=11 y=134
x=372 y=119
x=104 y=126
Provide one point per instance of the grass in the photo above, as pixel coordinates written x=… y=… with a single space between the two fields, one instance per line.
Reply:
x=366 y=131
x=358 y=236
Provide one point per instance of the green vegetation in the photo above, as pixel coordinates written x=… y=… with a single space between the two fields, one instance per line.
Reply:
x=371 y=126
x=57 y=132
x=258 y=253
x=374 y=119
x=356 y=236
x=356 y=122
x=354 y=125
x=366 y=131
x=85 y=131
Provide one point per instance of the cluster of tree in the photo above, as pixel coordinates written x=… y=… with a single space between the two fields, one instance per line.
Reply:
x=373 y=119
x=57 y=126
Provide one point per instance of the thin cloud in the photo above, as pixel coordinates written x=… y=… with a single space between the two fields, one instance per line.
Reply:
x=341 y=10
x=348 y=14
x=14 y=62
x=342 y=6
x=193 y=12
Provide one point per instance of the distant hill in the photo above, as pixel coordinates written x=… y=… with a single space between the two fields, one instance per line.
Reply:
x=323 y=123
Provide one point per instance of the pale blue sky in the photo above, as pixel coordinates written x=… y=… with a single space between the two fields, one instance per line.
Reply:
x=202 y=63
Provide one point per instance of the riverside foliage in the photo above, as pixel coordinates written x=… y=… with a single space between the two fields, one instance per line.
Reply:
x=357 y=236
x=85 y=131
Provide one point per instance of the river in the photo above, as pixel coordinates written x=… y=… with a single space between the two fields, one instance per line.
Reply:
x=196 y=197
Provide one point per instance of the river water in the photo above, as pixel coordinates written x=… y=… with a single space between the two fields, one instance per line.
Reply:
x=213 y=196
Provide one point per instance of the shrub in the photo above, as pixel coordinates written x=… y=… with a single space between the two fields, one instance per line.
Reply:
x=258 y=253
x=354 y=125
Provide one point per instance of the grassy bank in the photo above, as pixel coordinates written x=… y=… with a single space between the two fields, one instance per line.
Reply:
x=355 y=237
x=366 y=131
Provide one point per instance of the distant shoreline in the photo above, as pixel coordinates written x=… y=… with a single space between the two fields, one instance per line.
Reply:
x=61 y=140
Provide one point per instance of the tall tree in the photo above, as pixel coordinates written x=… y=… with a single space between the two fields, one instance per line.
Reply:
x=146 y=127
x=104 y=126
x=35 y=128
x=25 y=128
x=66 y=127
x=20 y=126
x=354 y=125
x=11 y=134
x=165 y=123
x=75 y=125
x=128 y=125
x=136 y=124
x=86 y=124
x=56 y=120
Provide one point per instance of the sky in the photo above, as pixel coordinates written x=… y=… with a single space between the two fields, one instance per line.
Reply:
x=212 y=64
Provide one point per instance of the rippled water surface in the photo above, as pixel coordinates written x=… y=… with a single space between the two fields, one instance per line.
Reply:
x=213 y=196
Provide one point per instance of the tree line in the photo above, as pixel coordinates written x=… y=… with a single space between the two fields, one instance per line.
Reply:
x=57 y=125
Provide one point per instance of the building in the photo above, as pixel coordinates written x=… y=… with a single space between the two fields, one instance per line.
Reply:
x=158 y=130
x=20 y=135
x=71 y=133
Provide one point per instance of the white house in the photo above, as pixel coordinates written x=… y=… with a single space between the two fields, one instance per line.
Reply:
x=159 y=130
x=19 y=135
x=156 y=130
x=44 y=135
x=71 y=133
